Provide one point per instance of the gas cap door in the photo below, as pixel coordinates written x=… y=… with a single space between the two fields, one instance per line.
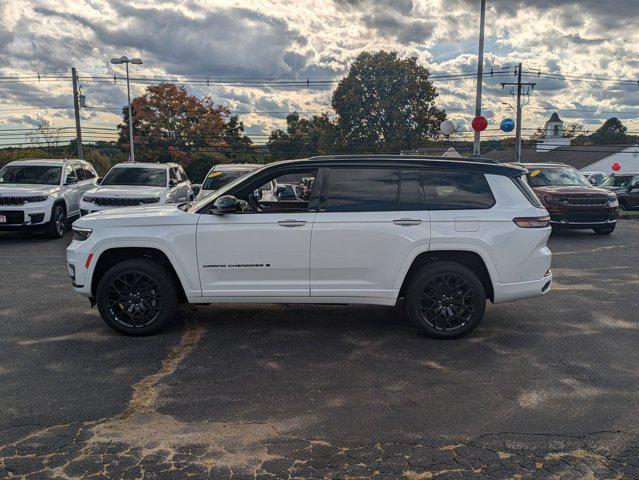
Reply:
x=466 y=224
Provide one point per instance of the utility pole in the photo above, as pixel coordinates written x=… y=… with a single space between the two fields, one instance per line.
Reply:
x=480 y=75
x=519 y=86
x=76 y=108
x=126 y=61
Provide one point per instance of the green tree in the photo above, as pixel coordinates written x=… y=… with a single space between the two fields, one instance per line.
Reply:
x=611 y=131
x=386 y=104
x=304 y=137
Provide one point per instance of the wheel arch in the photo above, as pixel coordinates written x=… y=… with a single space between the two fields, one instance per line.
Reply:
x=470 y=258
x=113 y=255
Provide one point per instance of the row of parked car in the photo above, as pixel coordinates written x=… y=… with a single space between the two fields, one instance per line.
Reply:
x=46 y=194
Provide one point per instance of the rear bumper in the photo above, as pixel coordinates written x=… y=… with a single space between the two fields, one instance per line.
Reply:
x=507 y=292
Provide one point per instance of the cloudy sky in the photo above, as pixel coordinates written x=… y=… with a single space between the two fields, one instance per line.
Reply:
x=283 y=39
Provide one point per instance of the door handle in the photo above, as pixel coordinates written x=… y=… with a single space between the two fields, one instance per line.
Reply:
x=291 y=223
x=406 y=222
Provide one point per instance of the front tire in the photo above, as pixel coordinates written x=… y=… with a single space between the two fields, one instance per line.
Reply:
x=137 y=297
x=445 y=300
x=57 y=226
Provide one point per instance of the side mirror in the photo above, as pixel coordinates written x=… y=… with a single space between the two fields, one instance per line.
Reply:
x=225 y=204
x=99 y=180
x=173 y=183
x=195 y=188
x=71 y=181
x=257 y=194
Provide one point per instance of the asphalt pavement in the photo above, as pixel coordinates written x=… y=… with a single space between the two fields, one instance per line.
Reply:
x=543 y=387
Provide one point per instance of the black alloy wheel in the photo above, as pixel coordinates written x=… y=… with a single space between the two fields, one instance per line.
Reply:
x=445 y=300
x=137 y=297
x=134 y=300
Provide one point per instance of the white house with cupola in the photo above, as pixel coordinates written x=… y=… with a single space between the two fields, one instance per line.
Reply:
x=553 y=135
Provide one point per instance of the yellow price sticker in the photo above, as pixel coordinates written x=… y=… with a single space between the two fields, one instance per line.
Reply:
x=214 y=174
x=534 y=173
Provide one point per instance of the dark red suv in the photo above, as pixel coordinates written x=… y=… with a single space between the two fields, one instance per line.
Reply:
x=571 y=200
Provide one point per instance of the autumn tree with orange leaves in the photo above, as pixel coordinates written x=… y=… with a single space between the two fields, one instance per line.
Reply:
x=169 y=125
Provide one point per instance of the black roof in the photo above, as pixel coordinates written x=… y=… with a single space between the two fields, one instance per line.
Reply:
x=578 y=156
x=555 y=118
x=463 y=164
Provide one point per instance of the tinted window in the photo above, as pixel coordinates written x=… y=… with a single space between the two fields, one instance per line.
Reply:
x=31 y=174
x=618 y=181
x=454 y=190
x=362 y=190
x=79 y=172
x=88 y=172
x=153 y=177
x=409 y=198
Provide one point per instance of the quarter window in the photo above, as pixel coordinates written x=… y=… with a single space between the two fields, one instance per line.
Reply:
x=454 y=190
x=362 y=190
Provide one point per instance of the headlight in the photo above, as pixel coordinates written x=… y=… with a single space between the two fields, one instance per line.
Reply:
x=613 y=201
x=551 y=199
x=81 y=234
x=42 y=198
x=87 y=199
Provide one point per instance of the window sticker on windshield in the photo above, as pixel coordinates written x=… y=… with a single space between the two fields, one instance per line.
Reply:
x=214 y=174
x=534 y=173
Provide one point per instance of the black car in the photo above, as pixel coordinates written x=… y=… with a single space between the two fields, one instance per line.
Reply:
x=626 y=186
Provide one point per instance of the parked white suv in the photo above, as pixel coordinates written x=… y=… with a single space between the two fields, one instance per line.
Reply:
x=445 y=235
x=43 y=194
x=133 y=184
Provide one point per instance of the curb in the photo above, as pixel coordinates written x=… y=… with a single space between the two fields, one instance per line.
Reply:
x=629 y=216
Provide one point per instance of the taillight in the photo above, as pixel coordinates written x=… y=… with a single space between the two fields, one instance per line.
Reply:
x=532 y=222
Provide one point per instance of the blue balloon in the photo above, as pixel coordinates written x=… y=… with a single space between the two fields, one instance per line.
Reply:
x=507 y=125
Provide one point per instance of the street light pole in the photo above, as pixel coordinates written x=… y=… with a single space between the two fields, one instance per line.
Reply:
x=128 y=95
x=480 y=75
x=126 y=61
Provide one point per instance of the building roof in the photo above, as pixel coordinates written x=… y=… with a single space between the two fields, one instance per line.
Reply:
x=576 y=156
x=555 y=118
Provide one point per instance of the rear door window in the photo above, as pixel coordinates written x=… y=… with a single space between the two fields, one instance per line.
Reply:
x=362 y=190
x=455 y=190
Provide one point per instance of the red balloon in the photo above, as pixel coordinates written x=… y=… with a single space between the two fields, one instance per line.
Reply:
x=479 y=123
x=616 y=166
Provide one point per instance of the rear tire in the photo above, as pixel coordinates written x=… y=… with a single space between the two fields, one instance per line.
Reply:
x=604 y=230
x=445 y=300
x=57 y=225
x=137 y=297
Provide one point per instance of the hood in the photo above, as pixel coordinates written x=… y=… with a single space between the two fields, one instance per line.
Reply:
x=126 y=191
x=569 y=190
x=137 y=217
x=15 y=190
x=615 y=189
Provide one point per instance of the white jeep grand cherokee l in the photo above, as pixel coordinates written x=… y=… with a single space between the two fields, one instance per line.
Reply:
x=43 y=194
x=445 y=235
x=132 y=184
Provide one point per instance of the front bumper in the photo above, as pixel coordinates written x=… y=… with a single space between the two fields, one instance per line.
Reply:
x=80 y=265
x=583 y=217
x=25 y=216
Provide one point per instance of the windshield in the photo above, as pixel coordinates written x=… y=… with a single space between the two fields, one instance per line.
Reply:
x=192 y=206
x=617 y=181
x=556 y=176
x=218 y=179
x=151 y=177
x=31 y=174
